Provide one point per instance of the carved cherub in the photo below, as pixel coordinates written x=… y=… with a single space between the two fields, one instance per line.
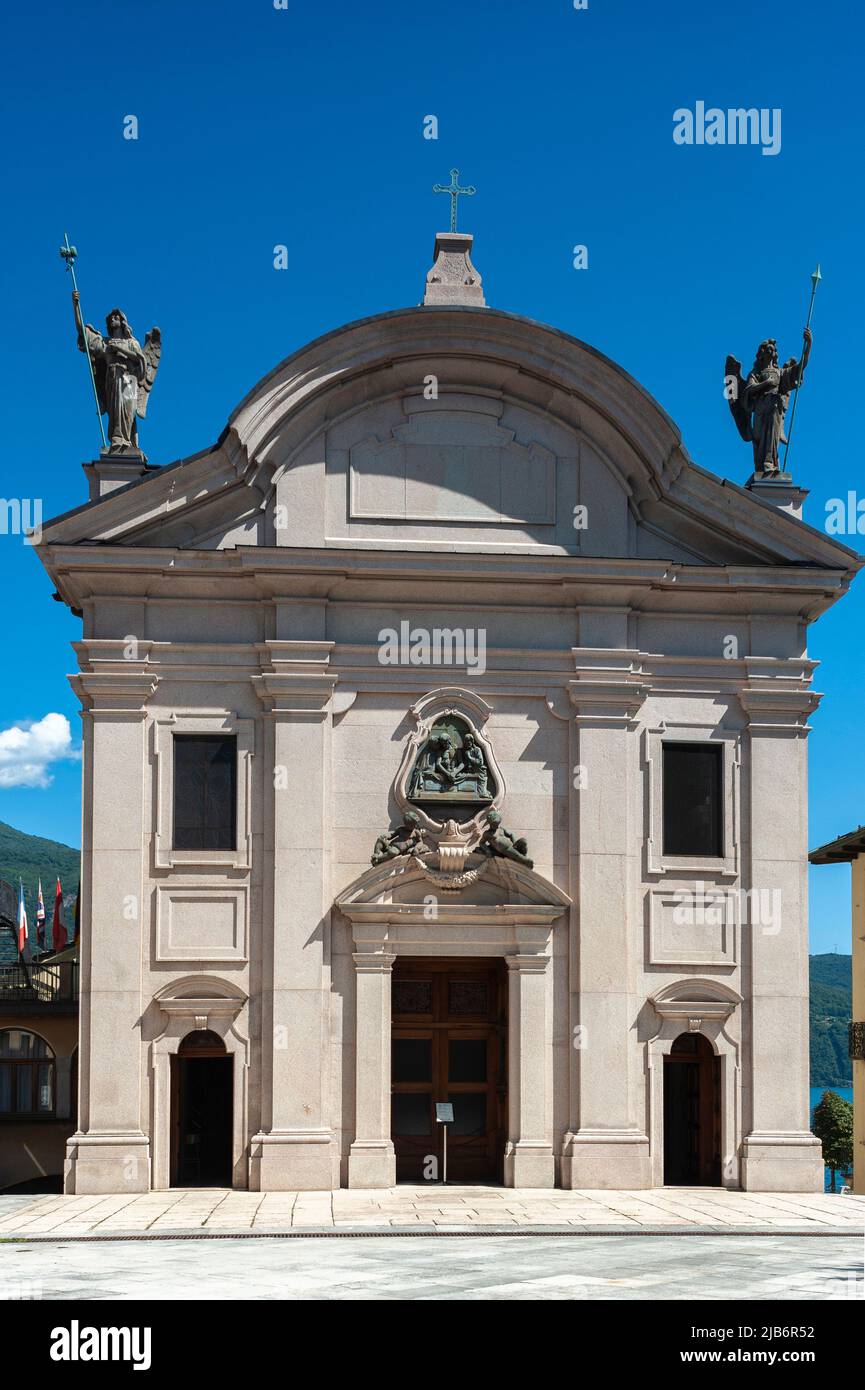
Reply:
x=497 y=842
x=406 y=839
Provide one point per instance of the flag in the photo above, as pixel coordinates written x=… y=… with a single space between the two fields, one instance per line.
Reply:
x=77 y=932
x=40 y=920
x=58 y=932
x=22 y=919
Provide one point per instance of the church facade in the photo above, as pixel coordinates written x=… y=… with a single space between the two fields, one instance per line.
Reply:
x=445 y=736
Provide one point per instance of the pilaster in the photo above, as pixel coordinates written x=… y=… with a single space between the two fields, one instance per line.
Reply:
x=529 y=1160
x=296 y=1148
x=606 y=1145
x=110 y=1152
x=779 y=1153
x=371 y=1161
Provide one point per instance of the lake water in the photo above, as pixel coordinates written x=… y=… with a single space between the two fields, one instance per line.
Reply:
x=816 y=1094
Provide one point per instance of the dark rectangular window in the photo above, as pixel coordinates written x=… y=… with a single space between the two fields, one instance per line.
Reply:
x=205 y=791
x=693 y=800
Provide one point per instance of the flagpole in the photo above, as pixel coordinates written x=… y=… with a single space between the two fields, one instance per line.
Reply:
x=815 y=280
x=69 y=254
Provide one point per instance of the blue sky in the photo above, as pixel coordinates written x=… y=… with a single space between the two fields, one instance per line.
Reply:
x=304 y=127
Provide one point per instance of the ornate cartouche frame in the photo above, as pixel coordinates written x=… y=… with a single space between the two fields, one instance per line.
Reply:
x=436 y=705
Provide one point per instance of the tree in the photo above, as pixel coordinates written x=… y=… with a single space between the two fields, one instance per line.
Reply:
x=833 y=1126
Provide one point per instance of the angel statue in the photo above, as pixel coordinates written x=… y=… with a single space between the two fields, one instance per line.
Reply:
x=758 y=405
x=123 y=371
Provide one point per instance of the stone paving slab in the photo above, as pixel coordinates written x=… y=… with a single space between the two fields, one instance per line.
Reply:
x=439 y=1209
x=388 y=1266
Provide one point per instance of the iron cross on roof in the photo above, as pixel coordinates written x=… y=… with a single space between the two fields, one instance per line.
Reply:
x=453 y=188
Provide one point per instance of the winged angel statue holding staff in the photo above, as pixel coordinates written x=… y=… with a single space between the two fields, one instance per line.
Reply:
x=758 y=403
x=123 y=374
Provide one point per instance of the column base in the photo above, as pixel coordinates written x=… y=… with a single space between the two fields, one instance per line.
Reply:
x=100 y=1163
x=371 y=1164
x=606 y=1159
x=782 y=1162
x=529 y=1165
x=303 y=1160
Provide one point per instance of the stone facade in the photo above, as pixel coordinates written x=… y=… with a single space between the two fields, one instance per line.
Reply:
x=430 y=466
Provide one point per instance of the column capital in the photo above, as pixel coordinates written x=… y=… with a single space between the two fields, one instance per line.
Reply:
x=374 y=962
x=769 y=710
x=528 y=963
x=600 y=701
x=114 y=692
x=295 y=678
x=609 y=686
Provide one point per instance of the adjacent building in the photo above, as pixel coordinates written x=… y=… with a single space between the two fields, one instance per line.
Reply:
x=850 y=849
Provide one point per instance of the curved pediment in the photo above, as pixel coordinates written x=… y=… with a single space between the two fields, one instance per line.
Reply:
x=406 y=891
x=696 y=997
x=453 y=429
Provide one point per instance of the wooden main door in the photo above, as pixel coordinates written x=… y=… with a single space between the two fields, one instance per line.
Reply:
x=449 y=1043
x=692 y=1113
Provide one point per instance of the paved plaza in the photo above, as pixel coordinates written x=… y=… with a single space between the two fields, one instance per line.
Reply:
x=408 y=1208
x=530 y=1267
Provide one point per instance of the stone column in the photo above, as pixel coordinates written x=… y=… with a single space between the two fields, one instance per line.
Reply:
x=371 y=1161
x=296 y=1147
x=110 y=1152
x=607 y=1146
x=529 y=1158
x=779 y=1153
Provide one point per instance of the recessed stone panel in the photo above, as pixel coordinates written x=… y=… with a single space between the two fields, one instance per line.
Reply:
x=201 y=924
x=452 y=465
x=688 y=928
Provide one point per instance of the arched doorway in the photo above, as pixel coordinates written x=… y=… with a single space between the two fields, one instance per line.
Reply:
x=692 y=1113
x=201 y=1112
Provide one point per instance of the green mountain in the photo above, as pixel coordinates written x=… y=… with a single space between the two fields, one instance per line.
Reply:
x=830 y=1011
x=30 y=858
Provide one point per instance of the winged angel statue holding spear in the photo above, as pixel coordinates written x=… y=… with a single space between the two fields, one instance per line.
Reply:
x=123 y=374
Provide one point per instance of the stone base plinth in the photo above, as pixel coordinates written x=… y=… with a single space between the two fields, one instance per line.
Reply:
x=779 y=490
x=606 y=1159
x=102 y=1163
x=111 y=471
x=371 y=1165
x=529 y=1165
x=782 y=1163
x=294 y=1161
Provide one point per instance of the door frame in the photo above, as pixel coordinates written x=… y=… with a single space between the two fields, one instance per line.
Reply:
x=713 y=1009
x=707 y=1064
x=200 y=1054
x=188 y=1009
x=493 y=1030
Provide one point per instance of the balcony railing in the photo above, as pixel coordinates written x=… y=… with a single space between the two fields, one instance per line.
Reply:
x=52 y=985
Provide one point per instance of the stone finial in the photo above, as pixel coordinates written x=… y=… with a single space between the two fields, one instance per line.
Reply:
x=453 y=279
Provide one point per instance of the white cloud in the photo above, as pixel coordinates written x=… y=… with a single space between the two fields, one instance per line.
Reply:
x=27 y=749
